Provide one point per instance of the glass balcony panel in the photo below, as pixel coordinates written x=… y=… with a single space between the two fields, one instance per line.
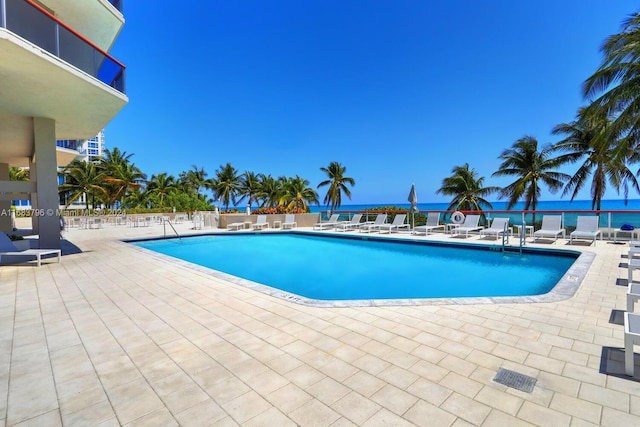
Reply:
x=44 y=31
x=30 y=24
x=117 y=4
x=75 y=51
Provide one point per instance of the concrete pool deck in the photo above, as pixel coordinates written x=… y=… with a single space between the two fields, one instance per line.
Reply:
x=116 y=336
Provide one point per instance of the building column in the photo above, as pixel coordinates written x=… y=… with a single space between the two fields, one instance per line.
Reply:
x=5 y=206
x=45 y=218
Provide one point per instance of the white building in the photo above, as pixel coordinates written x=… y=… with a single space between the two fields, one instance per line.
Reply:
x=58 y=83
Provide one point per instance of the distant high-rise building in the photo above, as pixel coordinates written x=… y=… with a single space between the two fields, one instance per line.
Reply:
x=88 y=149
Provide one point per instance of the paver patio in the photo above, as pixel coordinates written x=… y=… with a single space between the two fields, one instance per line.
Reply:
x=116 y=336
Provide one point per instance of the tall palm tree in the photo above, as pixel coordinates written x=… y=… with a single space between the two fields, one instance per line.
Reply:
x=467 y=189
x=194 y=179
x=121 y=175
x=249 y=187
x=112 y=159
x=83 y=178
x=591 y=137
x=120 y=179
x=269 y=191
x=226 y=184
x=532 y=167
x=160 y=186
x=617 y=82
x=297 y=194
x=337 y=183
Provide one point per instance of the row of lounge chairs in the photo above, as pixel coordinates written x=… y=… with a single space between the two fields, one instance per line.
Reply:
x=631 y=319
x=380 y=224
x=586 y=227
x=262 y=223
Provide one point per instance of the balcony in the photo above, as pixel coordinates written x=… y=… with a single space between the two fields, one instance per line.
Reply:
x=36 y=25
x=117 y=4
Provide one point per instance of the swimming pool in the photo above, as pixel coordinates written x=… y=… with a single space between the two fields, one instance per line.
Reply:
x=357 y=268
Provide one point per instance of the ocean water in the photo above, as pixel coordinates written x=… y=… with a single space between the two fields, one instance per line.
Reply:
x=614 y=213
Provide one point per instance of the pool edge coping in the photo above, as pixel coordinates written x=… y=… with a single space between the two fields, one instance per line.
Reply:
x=566 y=287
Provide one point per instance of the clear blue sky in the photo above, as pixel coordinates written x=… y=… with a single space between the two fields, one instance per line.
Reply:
x=397 y=91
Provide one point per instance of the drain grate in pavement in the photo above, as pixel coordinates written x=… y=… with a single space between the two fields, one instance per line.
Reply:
x=515 y=380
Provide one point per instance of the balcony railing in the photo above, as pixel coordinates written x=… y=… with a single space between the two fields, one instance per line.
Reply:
x=36 y=25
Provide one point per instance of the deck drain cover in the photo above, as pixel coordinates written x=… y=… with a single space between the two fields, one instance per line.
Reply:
x=515 y=380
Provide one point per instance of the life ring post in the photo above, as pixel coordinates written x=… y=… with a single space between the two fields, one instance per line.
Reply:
x=457 y=217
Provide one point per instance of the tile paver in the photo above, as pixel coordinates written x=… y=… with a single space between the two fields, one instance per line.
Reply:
x=117 y=336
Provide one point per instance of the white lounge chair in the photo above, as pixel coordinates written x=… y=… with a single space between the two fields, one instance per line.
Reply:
x=375 y=225
x=633 y=295
x=586 y=228
x=498 y=226
x=8 y=248
x=235 y=226
x=551 y=227
x=397 y=224
x=433 y=223
x=354 y=222
x=329 y=224
x=289 y=221
x=261 y=222
x=470 y=224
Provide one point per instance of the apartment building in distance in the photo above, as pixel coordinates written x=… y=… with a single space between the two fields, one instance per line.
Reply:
x=58 y=83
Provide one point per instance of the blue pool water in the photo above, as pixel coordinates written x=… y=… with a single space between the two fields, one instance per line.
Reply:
x=327 y=268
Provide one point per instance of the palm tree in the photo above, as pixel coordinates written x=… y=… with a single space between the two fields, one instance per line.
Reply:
x=160 y=186
x=269 y=191
x=121 y=179
x=532 y=167
x=226 y=184
x=194 y=179
x=617 y=81
x=112 y=159
x=337 y=183
x=591 y=137
x=249 y=187
x=83 y=178
x=467 y=190
x=297 y=194
x=18 y=174
x=121 y=175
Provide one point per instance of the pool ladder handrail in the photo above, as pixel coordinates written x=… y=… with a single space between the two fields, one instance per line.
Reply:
x=164 y=225
x=505 y=235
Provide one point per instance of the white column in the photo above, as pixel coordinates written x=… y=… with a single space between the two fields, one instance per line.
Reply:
x=5 y=206
x=48 y=223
